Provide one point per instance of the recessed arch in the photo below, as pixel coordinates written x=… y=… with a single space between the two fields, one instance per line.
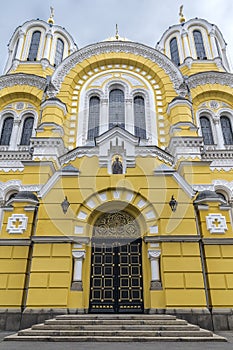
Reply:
x=117 y=199
x=141 y=56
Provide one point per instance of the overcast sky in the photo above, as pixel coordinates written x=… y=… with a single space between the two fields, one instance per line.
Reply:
x=90 y=21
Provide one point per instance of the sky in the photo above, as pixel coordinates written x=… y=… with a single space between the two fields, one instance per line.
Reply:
x=91 y=21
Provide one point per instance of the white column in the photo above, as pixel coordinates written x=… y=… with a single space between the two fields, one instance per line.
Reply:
x=47 y=45
x=129 y=116
x=103 y=116
x=218 y=132
x=20 y=46
x=187 y=52
x=155 y=270
x=213 y=45
x=78 y=257
x=14 y=135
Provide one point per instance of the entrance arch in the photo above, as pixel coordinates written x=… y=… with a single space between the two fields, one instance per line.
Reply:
x=116 y=284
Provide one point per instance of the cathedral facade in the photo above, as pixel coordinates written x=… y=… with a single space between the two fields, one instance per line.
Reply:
x=116 y=186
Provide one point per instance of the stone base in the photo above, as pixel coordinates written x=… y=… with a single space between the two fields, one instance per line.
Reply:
x=77 y=285
x=156 y=285
x=15 y=319
x=216 y=319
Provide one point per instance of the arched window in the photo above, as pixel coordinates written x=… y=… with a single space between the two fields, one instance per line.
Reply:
x=34 y=46
x=200 y=49
x=94 y=118
x=59 y=52
x=27 y=131
x=206 y=131
x=226 y=130
x=139 y=117
x=174 y=51
x=6 y=131
x=116 y=108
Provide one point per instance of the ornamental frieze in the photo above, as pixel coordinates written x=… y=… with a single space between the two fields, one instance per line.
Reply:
x=119 y=47
x=22 y=79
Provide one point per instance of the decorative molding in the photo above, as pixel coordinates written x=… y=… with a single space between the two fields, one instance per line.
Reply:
x=154 y=254
x=15 y=242
x=11 y=165
x=117 y=47
x=15 y=155
x=60 y=239
x=154 y=151
x=79 y=153
x=17 y=223
x=216 y=223
x=201 y=187
x=181 y=238
x=211 y=78
x=22 y=79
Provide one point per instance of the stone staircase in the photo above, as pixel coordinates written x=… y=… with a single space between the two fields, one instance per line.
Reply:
x=114 y=328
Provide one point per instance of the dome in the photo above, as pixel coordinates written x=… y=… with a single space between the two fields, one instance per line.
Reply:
x=26 y=195
x=194 y=40
x=208 y=196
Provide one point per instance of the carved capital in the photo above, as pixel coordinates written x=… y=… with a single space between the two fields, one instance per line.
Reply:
x=154 y=254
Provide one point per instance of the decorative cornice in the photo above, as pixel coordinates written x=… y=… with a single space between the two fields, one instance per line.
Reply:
x=221 y=78
x=183 y=238
x=154 y=151
x=22 y=79
x=218 y=154
x=117 y=47
x=78 y=153
x=60 y=239
x=15 y=155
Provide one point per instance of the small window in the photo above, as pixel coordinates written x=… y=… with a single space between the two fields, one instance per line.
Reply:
x=6 y=131
x=200 y=49
x=206 y=131
x=116 y=108
x=59 y=52
x=226 y=130
x=27 y=131
x=174 y=51
x=94 y=118
x=34 y=46
x=139 y=117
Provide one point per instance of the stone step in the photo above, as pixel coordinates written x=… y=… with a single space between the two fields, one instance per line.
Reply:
x=113 y=333
x=114 y=328
x=115 y=317
x=215 y=338
x=115 y=322
x=117 y=327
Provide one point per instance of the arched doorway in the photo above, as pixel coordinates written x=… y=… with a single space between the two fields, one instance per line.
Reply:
x=116 y=265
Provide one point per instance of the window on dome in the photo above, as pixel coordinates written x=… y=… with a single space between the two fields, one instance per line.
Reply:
x=27 y=131
x=59 y=52
x=139 y=117
x=116 y=108
x=206 y=131
x=34 y=46
x=94 y=118
x=226 y=130
x=200 y=49
x=6 y=131
x=174 y=51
